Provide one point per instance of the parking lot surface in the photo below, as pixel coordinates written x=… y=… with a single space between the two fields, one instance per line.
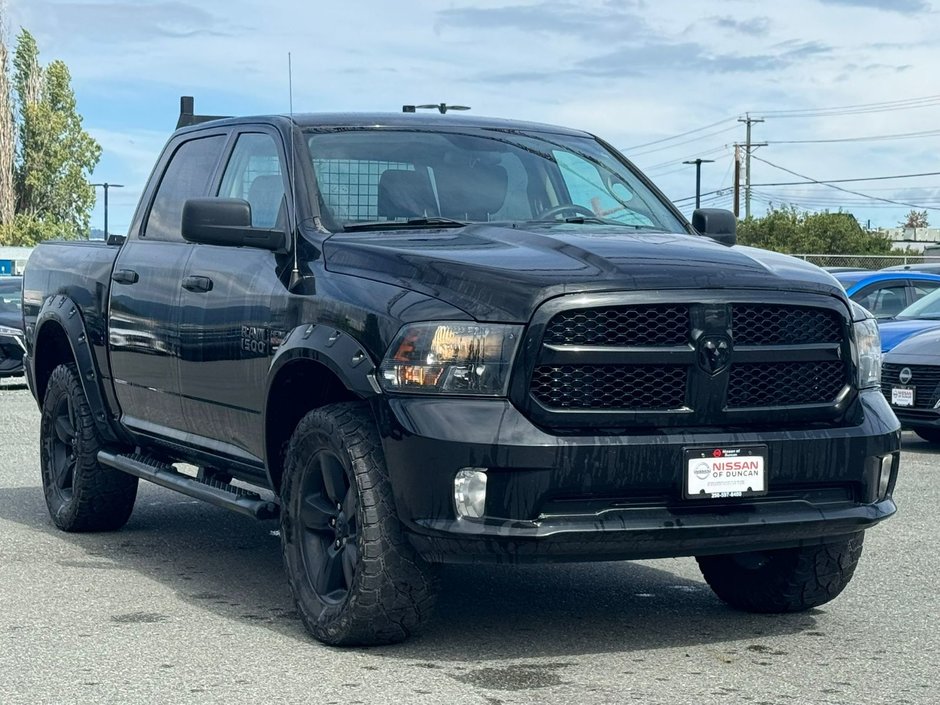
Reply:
x=189 y=604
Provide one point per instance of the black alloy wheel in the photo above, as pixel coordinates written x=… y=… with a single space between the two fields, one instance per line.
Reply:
x=328 y=507
x=81 y=494
x=63 y=446
x=355 y=578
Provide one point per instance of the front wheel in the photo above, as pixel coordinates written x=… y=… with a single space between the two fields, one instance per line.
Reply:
x=355 y=578
x=783 y=580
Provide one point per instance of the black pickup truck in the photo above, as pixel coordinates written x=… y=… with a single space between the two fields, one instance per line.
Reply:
x=427 y=339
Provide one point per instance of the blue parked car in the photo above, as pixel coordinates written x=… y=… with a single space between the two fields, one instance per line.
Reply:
x=919 y=317
x=887 y=293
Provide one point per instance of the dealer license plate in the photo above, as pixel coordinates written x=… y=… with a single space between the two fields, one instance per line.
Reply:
x=726 y=472
x=902 y=396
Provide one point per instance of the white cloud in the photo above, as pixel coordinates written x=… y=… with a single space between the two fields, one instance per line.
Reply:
x=631 y=71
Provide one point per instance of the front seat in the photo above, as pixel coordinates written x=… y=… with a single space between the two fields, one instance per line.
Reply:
x=265 y=196
x=404 y=193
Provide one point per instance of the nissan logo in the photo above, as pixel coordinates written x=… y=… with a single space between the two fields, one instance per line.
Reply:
x=905 y=375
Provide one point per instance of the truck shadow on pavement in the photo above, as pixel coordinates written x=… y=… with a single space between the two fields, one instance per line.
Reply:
x=231 y=566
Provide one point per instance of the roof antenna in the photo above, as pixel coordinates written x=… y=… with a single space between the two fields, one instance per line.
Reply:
x=295 y=277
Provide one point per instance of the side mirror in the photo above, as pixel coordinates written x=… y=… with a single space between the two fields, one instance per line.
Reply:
x=718 y=224
x=226 y=221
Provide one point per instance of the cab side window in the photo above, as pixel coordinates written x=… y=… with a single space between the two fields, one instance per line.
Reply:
x=253 y=174
x=187 y=176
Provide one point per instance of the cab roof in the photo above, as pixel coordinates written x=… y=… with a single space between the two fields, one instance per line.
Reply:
x=429 y=121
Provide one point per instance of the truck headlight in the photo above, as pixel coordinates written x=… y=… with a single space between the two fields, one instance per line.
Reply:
x=868 y=349
x=451 y=358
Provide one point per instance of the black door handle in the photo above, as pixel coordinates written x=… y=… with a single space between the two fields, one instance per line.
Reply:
x=197 y=284
x=125 y=276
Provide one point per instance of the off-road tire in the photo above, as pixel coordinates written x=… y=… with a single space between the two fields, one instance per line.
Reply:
x=931 y=435
x=386 y=590
x=784 y=580
x=81 y=494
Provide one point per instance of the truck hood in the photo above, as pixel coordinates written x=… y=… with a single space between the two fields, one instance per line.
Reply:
x=502 y=273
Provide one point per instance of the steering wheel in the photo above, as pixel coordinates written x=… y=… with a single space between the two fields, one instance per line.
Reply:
x=574 y=208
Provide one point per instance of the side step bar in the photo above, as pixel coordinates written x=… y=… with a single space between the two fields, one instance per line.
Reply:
x=217 y=493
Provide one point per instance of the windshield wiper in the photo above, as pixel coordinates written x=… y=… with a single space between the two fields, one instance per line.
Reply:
x=430 y=222
x=597 y=220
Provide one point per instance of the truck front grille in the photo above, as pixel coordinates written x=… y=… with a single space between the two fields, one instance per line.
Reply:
x=620 y=325
x=760 y=324
x=785 y=383
x=654 y=364
x=610 y=386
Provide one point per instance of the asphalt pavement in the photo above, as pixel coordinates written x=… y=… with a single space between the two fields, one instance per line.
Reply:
x=188 y=604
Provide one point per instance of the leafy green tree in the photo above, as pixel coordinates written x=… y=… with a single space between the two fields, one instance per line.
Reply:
x=789 y=230
x=7 y=140
x=54 y=156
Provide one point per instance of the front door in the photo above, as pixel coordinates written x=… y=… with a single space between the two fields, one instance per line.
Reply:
x=234 y=310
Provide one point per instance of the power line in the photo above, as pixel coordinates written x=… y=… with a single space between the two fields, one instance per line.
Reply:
x=867 y=138
x=641 y=153
x=857 y=109
x=681 y=134
x=826 y=182
x=860 y=108
x=821 y=200
x=839 y=188
x=707 y=193
x=671 y=162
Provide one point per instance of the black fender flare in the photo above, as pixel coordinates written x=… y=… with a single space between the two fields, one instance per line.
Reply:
x=333 y=348
x=66 y=313
x=336 y=350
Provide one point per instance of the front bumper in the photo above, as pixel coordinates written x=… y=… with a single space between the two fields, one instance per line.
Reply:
x=558 y=498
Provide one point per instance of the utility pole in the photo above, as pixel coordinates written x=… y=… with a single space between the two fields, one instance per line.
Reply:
x=106 y=186
x=748 y=148
x=698 y=178
x=737 y=181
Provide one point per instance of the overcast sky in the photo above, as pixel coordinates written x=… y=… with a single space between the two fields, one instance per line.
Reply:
x=632 y=71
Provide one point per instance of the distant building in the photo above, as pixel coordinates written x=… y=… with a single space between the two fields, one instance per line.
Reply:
x=917 y=239
x=13 y=259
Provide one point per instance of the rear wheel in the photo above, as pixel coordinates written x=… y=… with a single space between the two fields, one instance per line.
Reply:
x=784 y=580
x=931 y=435
x=81 y=494
x=355 y=578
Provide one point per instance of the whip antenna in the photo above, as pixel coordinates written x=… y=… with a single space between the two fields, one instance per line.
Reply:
x=295 y=274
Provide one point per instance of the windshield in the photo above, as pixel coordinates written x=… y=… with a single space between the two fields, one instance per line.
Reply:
x=476 y=175
x=927 y=307
x=11 y=298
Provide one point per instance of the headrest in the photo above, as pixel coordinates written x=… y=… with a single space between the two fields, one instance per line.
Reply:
x=265 y=196
x=473 y=192
x=406 y=194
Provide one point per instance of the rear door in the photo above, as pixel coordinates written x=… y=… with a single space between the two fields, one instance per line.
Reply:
x=145 y=289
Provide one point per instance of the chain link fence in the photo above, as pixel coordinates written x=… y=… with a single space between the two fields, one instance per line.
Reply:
x=867 y=261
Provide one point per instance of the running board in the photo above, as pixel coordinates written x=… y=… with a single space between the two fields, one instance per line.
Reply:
x=221 y=495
